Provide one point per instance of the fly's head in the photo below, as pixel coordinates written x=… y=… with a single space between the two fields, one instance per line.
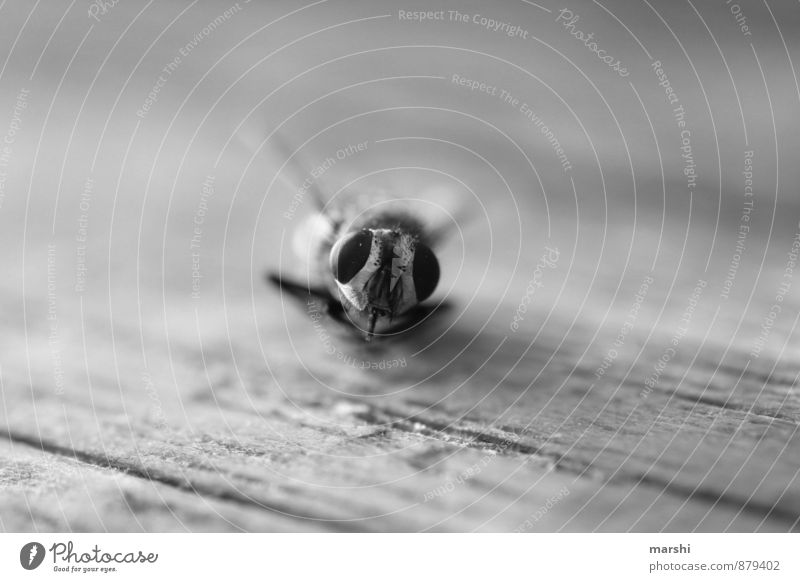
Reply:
x=382 y=273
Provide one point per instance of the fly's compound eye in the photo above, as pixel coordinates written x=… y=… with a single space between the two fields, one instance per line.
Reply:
x=350 y=254
x=426 y=272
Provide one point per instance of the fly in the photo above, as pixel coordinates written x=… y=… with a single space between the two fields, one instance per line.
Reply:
x=371 y=264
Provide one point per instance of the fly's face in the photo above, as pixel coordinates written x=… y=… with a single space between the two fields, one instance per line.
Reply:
x=381 y=274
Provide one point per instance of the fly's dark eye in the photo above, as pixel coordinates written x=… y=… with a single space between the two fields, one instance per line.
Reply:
x=426 y=272
x=350 y=254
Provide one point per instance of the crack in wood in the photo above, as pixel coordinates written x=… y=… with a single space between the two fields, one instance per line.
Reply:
x=460 y=436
